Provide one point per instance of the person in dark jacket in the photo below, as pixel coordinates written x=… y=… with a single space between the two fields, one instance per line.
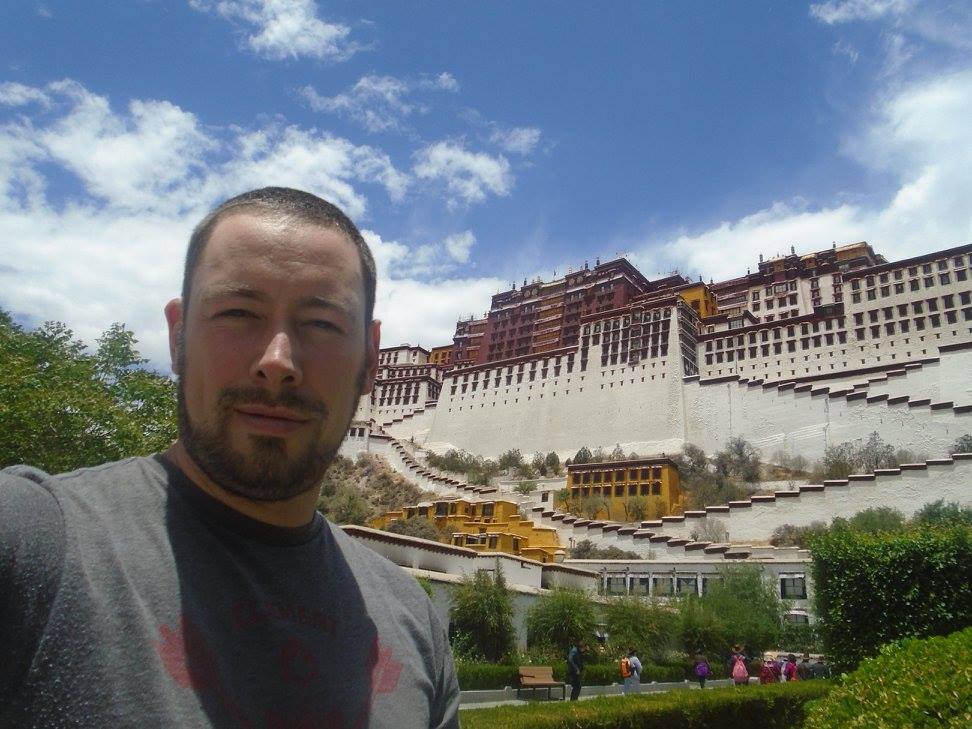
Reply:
x=575 y=668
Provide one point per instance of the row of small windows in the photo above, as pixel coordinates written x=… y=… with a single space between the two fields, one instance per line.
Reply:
x=668 y=585
x=958 y=262
x=617 y=475
x=630 y=489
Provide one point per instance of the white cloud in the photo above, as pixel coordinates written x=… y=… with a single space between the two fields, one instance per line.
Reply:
x=282 y=29
x=16 y=94
x=521 y=140
x=144 y=176
x=938 y=21
x=379 y=103
x=922 y=138
x=845 y=11
x=468 y=176
x=459 y=245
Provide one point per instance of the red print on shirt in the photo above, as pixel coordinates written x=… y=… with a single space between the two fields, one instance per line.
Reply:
x=385 y=671
x=187 y=657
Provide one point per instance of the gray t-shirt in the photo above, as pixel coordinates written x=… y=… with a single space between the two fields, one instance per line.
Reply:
x=129 y=597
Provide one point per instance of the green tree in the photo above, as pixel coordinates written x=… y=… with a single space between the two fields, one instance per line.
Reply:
x=562 y=498
x=582 y=456
x=511 y=459
x=739 y=458
x=346 y=506
x=538 y=464
x=617 y=454
x=63 y=408
x=561 y=618
x=482 y=615
x=591 y=506
x=552 y=462
x=647 y=626
x=788 y=535
x=635 y=508
x=742 y=608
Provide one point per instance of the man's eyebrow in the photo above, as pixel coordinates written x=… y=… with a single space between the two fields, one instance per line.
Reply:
x=246 y=292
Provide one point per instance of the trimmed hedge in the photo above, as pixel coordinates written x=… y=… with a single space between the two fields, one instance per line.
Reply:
x=775 y=705
x=914 y=683
x=873 y=589
x=475 y=676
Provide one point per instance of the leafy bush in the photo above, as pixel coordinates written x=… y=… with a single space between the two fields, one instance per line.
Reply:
x=414 y=526
x=525 y=487
x=788 y=535
x=914 y=683
x=586 y=549
x=873 y=520
x=482 y=616
x=872 y=589
x=781 y=704
x=561 y=618
x=942 y=514
x=962 y=444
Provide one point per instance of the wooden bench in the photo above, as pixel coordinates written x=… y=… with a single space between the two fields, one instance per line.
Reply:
x=539 y=677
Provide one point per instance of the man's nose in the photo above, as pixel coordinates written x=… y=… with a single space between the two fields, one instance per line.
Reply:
x=277 y=367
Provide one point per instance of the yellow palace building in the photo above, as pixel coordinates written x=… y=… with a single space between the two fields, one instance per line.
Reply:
x=646 y=488
x=486 y=526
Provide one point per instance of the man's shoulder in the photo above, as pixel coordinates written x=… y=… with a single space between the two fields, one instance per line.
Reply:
x=31 y=491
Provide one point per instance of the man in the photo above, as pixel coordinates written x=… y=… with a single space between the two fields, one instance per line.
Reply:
x=633 y=679
x=200 y=587
x=575 y=668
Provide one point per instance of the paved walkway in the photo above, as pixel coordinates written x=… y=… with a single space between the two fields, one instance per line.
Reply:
x=593 y=692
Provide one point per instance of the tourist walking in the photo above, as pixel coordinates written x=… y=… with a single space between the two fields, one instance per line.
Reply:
x=575 y=668
x=738 y=671
x=767 y=672
x=790 y=669
x=630 y=672
x=702 y=669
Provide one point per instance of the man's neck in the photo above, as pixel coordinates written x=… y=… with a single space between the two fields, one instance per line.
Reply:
x=295 y=512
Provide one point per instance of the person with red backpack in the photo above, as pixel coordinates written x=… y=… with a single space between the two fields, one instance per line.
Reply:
x=767 y=672
x=790 y=669
x=630 y=672
x=701 y=669
x=738 y=671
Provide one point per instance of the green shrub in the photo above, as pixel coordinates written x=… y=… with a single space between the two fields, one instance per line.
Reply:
x=561 y=618
x=482 y=617
x=774 y=705
x=742 y=608
x=872 y=589
x=474 y=675
x=633 y=621
x=914 y=683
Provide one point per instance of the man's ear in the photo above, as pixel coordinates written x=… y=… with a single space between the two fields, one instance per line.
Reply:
x=371 y=362
x=173 y=317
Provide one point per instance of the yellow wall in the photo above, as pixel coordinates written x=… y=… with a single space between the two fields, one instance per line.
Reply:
x=486 y=526
x=704 y=301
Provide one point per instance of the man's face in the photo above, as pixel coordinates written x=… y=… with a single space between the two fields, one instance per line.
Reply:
x=273 y=354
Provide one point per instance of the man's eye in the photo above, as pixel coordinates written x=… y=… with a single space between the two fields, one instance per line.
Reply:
x=325 y=325
x=235 y=313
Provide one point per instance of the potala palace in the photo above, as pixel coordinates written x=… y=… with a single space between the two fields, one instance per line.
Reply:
x=804 y=352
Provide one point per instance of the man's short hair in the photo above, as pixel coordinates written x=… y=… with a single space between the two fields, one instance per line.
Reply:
x=282 y=202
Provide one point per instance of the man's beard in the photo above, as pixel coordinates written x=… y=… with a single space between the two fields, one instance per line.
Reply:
x=266 y=473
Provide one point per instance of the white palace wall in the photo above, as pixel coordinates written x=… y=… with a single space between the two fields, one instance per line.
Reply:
x=637 y=406
x=647 y=408
x=805 y=421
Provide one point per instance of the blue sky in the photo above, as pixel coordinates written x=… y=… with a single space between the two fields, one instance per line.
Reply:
x=474 y=143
